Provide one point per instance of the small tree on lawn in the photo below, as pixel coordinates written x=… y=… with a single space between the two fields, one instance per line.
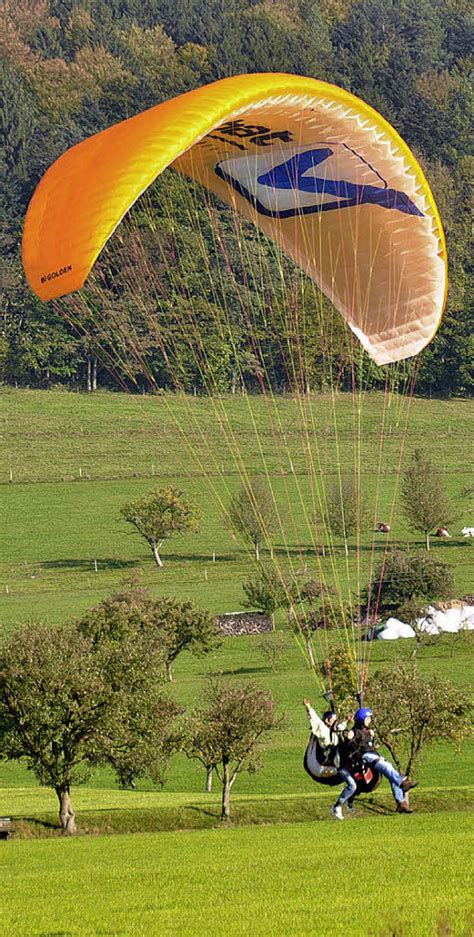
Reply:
x=413 y=711
x=127 y=611
x=271 y=647
x=185 y=628
x=162 y=514
x=424 y=500
x=463 y=637
x=326 y=609
x=404 y=575
x=304 y=626
x=322 y=612
x=168 y=625
x=252 y=514
x=70 y=702
x=342 y=511
x=227 y=733
x=268 y=592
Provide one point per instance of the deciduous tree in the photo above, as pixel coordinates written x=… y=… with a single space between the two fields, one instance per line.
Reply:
x=343 y=511
x=252 y=514
x=413 y=711
x=424 y=500
x=268 y=592
x=70 y=701
x=162 y=514
x=345 y=677
x=227 y=732
x=404 y=575
x=271 y=647
x=167 y=625
x=185 y=628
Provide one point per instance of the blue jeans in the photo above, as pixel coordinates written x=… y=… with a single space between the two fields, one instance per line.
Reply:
x=350 y=787
x=386 y=768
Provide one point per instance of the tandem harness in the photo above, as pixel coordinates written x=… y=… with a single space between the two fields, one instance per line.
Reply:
x=317 y=764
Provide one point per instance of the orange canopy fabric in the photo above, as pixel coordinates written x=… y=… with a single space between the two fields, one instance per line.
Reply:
x=319 y=171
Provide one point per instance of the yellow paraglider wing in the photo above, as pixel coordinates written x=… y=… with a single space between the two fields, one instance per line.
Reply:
x=319 y=171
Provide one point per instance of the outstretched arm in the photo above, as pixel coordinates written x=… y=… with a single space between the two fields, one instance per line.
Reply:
x=318 y=727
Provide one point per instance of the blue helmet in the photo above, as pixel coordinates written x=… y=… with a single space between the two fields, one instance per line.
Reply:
x=361 y=714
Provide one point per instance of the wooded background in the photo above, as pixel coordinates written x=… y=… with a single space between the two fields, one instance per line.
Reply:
x=70 y=69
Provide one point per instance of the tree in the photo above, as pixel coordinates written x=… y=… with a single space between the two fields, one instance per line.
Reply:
x=305 y=626
x=345 y=677
x=226 y=734
x=185 y=627
x=404 y=575
x=424 y=500
x=271 y=647
x=321 y=611
x=252 y=513
x=413 y=711
x=167 y=625
x=70 y=701
x=415 y=612
x=162 y=514
x=343 y=509
x=268 y=592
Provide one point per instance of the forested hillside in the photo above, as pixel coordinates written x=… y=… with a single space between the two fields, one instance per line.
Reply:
x=71 y=68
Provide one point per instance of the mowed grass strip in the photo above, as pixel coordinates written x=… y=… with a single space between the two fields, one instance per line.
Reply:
x=387 y=876
x=113 y=812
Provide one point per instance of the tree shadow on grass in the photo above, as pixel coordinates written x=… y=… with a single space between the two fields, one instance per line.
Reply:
x=443 y=544
x=336 y=549
x=372 y=806
x=239 y=670
x=88 y=565
x=38 y=823
x=197 y=558
x=204 y=811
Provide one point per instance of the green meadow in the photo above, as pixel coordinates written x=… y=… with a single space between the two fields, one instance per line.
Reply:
x=294 y=879
x=157 y=862
x=69 y=461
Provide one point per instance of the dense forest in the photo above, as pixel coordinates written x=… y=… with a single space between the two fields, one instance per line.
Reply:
x=71 y=68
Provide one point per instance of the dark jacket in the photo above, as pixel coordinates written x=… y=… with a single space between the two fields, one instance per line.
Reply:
x=361 y=742
x=345 y=752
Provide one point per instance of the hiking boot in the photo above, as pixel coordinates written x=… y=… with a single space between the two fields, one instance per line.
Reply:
x=403 y=807
x=407 y=785
x=351 y=809
x=337 y=812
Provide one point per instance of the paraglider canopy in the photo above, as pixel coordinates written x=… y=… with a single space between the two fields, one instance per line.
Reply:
x=319 y=171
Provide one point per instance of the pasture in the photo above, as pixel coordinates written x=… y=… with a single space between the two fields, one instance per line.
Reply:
x=69 y=462
x=73 y=460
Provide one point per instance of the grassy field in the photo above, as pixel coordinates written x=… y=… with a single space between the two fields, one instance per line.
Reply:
x=69 y=462
x=321 y=879
x=75 y=459
x=282 y=771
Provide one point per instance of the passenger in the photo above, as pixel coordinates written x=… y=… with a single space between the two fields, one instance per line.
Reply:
x=331 y=737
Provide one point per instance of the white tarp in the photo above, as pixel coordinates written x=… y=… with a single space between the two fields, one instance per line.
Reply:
x=451 y=619
x=456 y=618
x=394 y=629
